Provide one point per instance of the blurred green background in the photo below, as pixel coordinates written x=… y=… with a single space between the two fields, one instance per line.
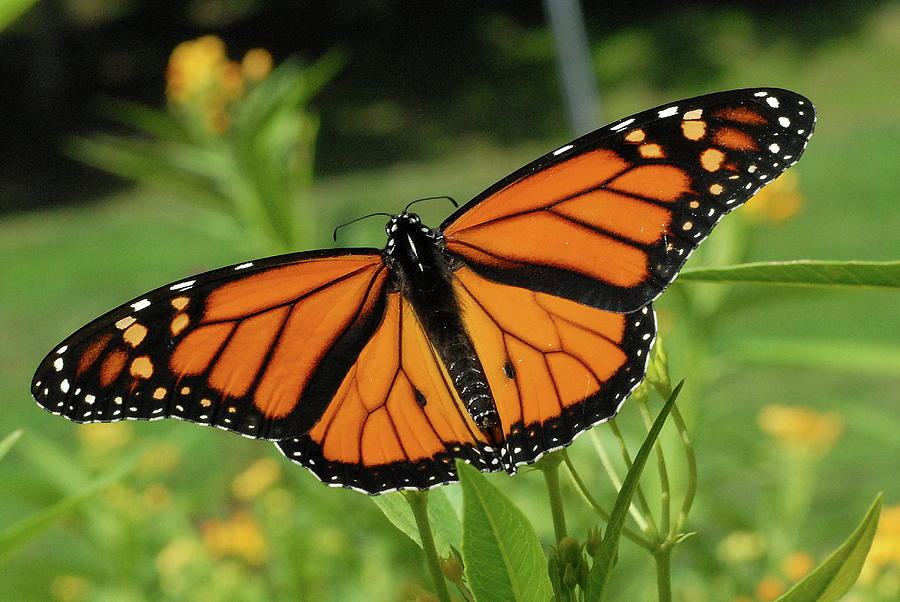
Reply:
x=435 y=101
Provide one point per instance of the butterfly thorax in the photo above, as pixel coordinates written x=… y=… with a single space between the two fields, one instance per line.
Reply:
x=416 y=257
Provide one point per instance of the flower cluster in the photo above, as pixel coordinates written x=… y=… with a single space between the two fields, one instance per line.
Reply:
x=202 y=82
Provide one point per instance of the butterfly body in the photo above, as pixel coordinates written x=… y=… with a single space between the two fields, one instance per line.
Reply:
x=416 y=255
x=523 y=320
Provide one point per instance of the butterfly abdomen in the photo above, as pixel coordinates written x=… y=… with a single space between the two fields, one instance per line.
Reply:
x=424 y=277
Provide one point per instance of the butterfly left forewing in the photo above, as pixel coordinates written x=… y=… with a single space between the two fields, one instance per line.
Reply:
x=609 y=219
x=256 y=348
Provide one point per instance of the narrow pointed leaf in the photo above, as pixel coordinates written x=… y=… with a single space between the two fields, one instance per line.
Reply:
x=878 y=274
x=603 y=563
x=9 y=441
x=501 y=551
x=837 y=573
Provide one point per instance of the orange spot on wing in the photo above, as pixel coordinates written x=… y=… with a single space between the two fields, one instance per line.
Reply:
x=112 y=366
x=135 y=334
x=141 y=367
x=659 y=182
x=693 y=130
x=651 y=151
x=91 y=354
x=735 y=139
x=179 y=323
x=711 y=159
x=741 y=115
x=180 y=303
x=635 y=136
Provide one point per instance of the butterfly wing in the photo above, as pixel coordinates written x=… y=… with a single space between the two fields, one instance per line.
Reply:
x=395 y=422
x=609 y=219
x=258 y=348
x=555 y=367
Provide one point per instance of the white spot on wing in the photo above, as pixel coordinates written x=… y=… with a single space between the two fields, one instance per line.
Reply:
x=622 y=125
x=669 y=112
x=243 y=266
x=563 y=149
x=139 y=305
x=182 y=285
x=58 y=364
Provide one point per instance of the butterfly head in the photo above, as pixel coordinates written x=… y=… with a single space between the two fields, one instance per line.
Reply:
x=407 y=232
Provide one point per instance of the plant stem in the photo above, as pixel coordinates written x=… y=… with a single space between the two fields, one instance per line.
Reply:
x=663 y=558
x=551 y=477
x=418 y=502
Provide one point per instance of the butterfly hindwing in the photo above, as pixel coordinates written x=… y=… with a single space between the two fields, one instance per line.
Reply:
x=555 y=367
x=395 y=422
x=609 y=219
x=237 y=348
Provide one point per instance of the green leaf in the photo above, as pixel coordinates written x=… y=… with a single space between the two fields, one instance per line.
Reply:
x=444 y=521
x=14 y=537
x=11 y=9
x=878 y=274
x=837 y=574
x=844 y=356
x=501 y=552
x=609 y=547
x=9 y=441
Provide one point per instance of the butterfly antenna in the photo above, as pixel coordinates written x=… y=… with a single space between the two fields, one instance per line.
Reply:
x=353 y=221
x=431 y=198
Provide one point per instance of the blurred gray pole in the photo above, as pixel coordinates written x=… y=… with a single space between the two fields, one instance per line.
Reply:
x=575 y=69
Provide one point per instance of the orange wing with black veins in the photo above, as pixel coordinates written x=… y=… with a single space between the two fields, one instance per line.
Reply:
x=395 y=422
x=258 y=348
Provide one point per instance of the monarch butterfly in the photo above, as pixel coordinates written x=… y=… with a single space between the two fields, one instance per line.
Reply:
x=519 y=323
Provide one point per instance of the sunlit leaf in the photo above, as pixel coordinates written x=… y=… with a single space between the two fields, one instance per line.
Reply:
x=501 y=551
x=879 y=274
x=837 y=574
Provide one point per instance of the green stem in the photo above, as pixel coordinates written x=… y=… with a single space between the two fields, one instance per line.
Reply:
x=663 y=557
x=640 y=498
x=692 y=471
x=418 y=502
x=597 y=508
x=551 y=477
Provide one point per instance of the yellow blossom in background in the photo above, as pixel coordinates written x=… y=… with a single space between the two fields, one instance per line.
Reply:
x=69 y=588
x=777 y=202
x=258 y=477
x=741 y=546
x=160 y=458
x=177 y=555
x=769 y=588
x=797 y=565
x=885 y=553
x=156 y=497
x=801 y=428
x=256 y=64
x=104 y=437
x=203 y=83
x=240 y=536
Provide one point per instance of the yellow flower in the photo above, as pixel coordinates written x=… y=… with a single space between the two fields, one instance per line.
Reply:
x=159 y=458
x=797 y=565
x=769 y=588
x=240 y=536
x=258 y=477
x=800 y=428
x=70 y=588
x=194 y=68
x=885 y=552
x=741 y=546
x=257 y=64
x=177 y=555
x=104 y=437
x=777 y=202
